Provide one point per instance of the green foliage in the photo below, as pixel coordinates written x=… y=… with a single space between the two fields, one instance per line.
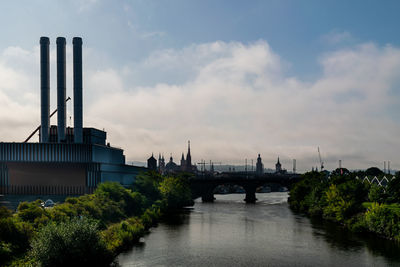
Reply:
x=306 y=195
x=373 y=171
x=123 y=235
x=14 y=237
x=66 y=233
x=147 y=184
x=377 y=194
x=4 y=212
x=337 y=208
x=5 y=252
x=393 y=189
x=343 y=198
x=129 y=203
x=33 y=213
x=75 y=242
x=384 y=220
x=176 y=192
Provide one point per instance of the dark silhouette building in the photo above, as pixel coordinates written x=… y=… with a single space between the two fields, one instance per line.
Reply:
x=278 y=168
x=259 y=166
x=172 y=167
x=152 y=163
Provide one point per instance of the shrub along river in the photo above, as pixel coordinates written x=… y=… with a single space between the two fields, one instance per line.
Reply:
x=230 y=232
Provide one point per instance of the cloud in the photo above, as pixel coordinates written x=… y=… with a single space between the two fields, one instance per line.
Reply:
x=84 y=5
x=235 y=100
x=336 y=37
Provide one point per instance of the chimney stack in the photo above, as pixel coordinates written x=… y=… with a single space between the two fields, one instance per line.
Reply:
x=44 y=88
x=61 y=89
x=77 y=62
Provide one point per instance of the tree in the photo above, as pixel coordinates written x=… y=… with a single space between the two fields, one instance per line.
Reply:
x=147 y=184
x=71 y=243
x=176 y=191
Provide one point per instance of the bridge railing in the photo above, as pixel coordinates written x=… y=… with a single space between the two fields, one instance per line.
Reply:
x=384 y=181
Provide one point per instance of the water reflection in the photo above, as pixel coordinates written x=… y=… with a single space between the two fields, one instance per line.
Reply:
x=231 y=233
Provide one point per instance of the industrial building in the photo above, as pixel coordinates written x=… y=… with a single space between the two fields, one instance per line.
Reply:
x=66 y=160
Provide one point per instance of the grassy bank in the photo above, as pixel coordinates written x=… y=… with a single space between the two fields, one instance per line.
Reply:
x=90 y=229
x=357 y=205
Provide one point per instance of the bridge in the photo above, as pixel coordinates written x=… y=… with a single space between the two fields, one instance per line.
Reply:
x=203 y=184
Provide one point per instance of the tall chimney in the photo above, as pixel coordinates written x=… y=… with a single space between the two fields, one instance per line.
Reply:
x=61 y=89
x=77 y=44
x=44 y=89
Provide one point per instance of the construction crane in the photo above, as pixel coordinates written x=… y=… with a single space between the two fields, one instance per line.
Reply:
x=203 y=164
x=38 y=128
x=320 y=160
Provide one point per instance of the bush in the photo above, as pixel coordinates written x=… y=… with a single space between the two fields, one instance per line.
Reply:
x=121 y=236
x=131 y=203
x=33 y=213
x=393 y=189
x=384 y=220
x=4 y=212
x=148 y=185
x=75 y=242
x=16 y=233
x=176 y=191
x=377 y=194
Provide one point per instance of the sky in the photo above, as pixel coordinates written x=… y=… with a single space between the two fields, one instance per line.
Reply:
x=236 y=78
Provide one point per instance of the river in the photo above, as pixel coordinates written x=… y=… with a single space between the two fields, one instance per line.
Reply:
x=229 y=232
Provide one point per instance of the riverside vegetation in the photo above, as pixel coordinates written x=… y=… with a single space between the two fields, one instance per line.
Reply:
x=89 y=230
x=359 y=206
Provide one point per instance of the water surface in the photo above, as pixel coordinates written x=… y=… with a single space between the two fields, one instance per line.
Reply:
x=230 y=232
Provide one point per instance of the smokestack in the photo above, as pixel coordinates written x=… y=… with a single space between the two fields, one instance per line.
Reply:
x=78 y=124
x=61 y=89
x=44 y=89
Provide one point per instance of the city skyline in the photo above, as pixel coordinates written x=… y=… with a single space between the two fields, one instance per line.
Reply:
x=236 y=90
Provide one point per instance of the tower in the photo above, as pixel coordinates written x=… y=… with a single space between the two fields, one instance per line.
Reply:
x=152 y=163
x=183 y=163
x=77 y=74
x=61 y=89
x=44 y=89
x=278 y=167
x=188 y=158
x=259 y=166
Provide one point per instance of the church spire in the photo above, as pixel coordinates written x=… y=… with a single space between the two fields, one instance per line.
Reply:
x=188 y=157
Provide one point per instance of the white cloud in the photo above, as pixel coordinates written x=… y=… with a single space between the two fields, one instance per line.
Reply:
x=337 y=37
x=234 y=100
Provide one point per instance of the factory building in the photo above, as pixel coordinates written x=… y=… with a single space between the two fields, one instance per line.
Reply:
x=66 y=160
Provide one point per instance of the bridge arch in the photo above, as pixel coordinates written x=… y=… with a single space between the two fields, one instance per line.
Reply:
x=204 y=186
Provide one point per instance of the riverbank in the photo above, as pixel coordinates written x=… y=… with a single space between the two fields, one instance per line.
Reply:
x=94 y=227
x=359 y=206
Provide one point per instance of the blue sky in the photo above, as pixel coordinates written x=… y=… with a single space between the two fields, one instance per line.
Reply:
x=294 y=29
x=296 y=66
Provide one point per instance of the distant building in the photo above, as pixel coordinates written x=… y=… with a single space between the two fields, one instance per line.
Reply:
x=152 y=163
x=259 y=166
x=278 y=168
x=161 y=163
x=172 y=167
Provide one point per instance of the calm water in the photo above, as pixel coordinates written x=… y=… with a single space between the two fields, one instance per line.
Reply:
x=232 y=233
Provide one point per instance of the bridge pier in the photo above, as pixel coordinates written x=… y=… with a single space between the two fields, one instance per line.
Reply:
x=250 y=194
x=208 y=196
